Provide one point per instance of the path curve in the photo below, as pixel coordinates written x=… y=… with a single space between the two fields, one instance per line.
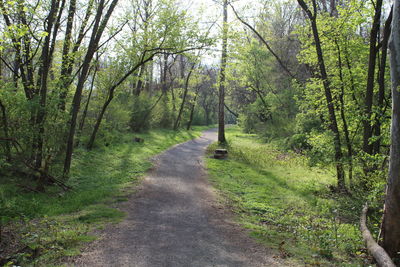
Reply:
x=175 y=220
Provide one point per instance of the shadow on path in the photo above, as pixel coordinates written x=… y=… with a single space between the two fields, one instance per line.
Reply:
x=174 y=220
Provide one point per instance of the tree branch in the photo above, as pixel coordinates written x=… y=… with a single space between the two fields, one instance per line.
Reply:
x=231 y=111
x=264 y=42
x=379 y=254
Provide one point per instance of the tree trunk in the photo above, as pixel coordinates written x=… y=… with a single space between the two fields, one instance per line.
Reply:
x=381 y=83
x=189 y=124
x=7 y=146
x=111 y=92
x=139 y=84
x=178 y=118
x=43 y=73
x=4 y=121
x=369 y=93
x=164 y=69
x=328 y=94
x=207 y=115
x=147 y=114
x=97 y=32
x=343 y=117
x=68 y=58
x=98 y=121
x=391 y=221
x=221 y=105
x=82 y=123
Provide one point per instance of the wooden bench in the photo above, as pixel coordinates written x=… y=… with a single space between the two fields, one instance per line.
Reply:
x=220 y=153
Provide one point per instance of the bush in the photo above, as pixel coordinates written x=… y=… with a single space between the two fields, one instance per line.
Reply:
x=299 y=142
x=140 y=112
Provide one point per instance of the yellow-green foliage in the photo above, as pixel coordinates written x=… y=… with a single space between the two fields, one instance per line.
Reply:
x=280 y=198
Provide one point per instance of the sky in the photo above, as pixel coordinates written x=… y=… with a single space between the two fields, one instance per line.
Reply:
x=211 y=11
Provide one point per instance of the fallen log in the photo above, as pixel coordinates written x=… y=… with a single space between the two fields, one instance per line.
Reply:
x=379 y=254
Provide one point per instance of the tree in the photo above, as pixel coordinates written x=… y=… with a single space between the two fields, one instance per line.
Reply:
x=100 y=24
x=111 y=92
x=382 y=104
x=391 y=220
x=221 y=104
x=185 y=93
x=208 y=98
x=34 y=53
x=369 y=92
x=312 y=16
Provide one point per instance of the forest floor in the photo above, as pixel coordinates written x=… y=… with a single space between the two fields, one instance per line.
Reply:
x=174 y=219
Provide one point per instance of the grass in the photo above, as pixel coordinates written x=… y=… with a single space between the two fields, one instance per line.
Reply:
x=287 y=204
x=47 y=226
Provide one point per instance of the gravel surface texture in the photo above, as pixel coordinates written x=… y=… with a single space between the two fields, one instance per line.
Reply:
x=174 y=219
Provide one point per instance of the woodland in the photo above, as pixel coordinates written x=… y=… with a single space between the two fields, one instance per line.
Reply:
x=91 y=89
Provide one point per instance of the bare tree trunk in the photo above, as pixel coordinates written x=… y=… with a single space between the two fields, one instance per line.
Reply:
x=328 y=94
x=44 y=68
x=221 y=106
x=381 y=82
x=369 y=93
x=391 y=221
x=207 y=116
x=178 y=118
x=7 y=146
x=99 y=119
x=164 y=69
x=84 y=114
x=68 y=58
x=4 y=121
x=343 y=117
x=189 y=124
x=97 y=32
x=139 y=84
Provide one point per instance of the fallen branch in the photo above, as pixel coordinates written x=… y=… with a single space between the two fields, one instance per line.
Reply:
x=379 y=254
x=42 y=173
x=48 y=178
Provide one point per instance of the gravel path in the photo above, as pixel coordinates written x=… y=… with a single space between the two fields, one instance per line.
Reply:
x=175 y=220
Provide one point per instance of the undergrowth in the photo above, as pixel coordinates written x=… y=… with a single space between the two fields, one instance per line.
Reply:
x=40 y=228
x=288 y=205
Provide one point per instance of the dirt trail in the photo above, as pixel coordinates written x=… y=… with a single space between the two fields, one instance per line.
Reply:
x=175 y=220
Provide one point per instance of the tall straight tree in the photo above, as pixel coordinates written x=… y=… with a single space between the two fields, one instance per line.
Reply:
x=69 y=55
x=100 y=24
x=369 y=93
x=221 y=106
x=333 y=125
x=382 y=105
x=391 y=221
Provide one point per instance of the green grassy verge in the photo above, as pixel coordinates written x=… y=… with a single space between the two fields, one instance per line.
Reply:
x=51 y=225
x=288 y=205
